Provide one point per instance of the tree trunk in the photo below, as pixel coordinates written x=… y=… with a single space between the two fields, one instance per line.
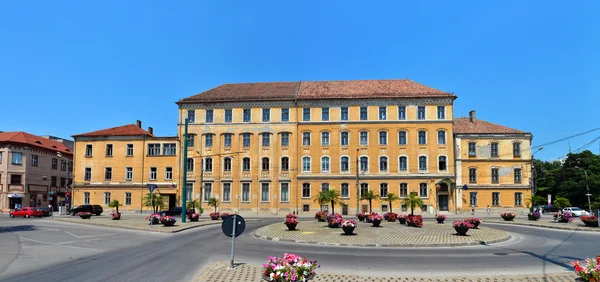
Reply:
x=391 y=206
x=370 y=206
x=215 y=208
x=117 y=208
x=412 y=209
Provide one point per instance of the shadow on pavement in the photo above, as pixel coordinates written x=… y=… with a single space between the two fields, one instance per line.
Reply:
x=18 y=228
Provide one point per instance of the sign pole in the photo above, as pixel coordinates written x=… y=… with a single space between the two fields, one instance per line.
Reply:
x=152 y=208
x=233 y=239
x=184 y=180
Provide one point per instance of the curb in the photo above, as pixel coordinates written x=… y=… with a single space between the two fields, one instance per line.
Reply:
x=579 y=227
x=480 y=243
x=215 y=222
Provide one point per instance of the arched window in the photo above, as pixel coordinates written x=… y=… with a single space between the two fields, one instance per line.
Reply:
x=227 y=164
x=305 y=138
x=364 y=138
x=306 y=164
x=403 y=163
x=208 y=164
x=345 y=164
x=285 y=164
x=325 y=164
x=265 y=164
x=382 y=137
x=423 y=163
x=422 y=137
x=344 y=138
x=324 y=138
x=383 y=164
x=402 y=138
x=442 y=137
x=246 y=164
x=364 y=163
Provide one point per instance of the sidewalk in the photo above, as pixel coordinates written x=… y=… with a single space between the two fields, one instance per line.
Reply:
x=220 y=272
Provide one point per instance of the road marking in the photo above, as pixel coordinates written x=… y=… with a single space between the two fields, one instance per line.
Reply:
x=50 y=229
x=63 y=243
x=88 y=236
x=57 y=244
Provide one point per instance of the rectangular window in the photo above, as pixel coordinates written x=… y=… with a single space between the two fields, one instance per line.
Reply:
x=382 y=138
x=285 y=164
x=306 y=114
x=153 y=149
x=63 y=165
x=401 y=113
x=306 y=139
x=382 y=113
x=325 y=164
x=441 y=112
x=472 y=148
x=246 y=139
x=87 y=176
x=227 y=140
x=226 y=192
x=422 y=163
x=169 y=149
x=324 y=186
x=473 y=199
x=227 y=164
x=442 y=163
x=364 y=188
x=494 y=149
x=246 y=164
x=190 y=140
x=209 y=116
x=109 y=150
x=495 y=176
x=285 y=139
x=344 y=113
x=88 y=150
x=403 y=190
x=153 y=173
x=518 y=199
x=266 y=139
x=472 y=175
x=404 y=208
x=34 y=160
x=129 y=151
x=191 y=116
x=128 y=173
x=285 y=114
x=364 y=163
x=516 y=150
x=264 y=192
x=265 y=164
x=422 y=138
x=495 y=199
x=53 y=181
x=108 y=173
x=364 y=138
x=54 y=161
x=208 y=164
x=518 y=177
x=344 y=139
x=128 y=198
x=190 y=164
x=207 y=191
x=228 y=116
x=363 y=113
x=247 y=115
x=285 y=192
x=384 y=208
x=86 y=198
x=403 y=163
x=421 y=113
x=266 y=115
x=324 y=114
x=324 y=138
x=305 y=190
x=383 y=190
x=306 y=164
x=441 y=137
x=15 y=179
x=189 y=191
x=106 y=198
x=305 y=208
x=345 y=191
x=423 y=190
x=383 y=164
x=345 y=164
x=245 y=192
x=402 y=140
x=63 y=182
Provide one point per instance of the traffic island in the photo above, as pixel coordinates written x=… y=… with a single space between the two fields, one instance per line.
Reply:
x=390 y=234
x=220 y=272
x=576 y=224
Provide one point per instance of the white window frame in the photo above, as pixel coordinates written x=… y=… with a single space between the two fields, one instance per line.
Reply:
x=127 y=148
x=438 y=163
x=281 y=163
x=209 y=113
x=443 y=112
x=85 y=178
x=309 y=164
x=302 y=191
x=249 y=164
x=286 y=117
x=419 y=137
x=426 y=163
x=384 y=108
x=328 y=168
x=387 y=188
x=349 y=167
x=266 y=115
x=208 y=189
x=438 y=137
x=155 y=176
x=223 y=191
x=249 y=185
x=360 y=164
x=407 y=164
x=125 y=200
x=400 y=194
x=387 y=160
x=325 y=113
x=379 y=137
x=325 y=136
x=168 y=174
x=106 y=198
x=127 y=172
x=405 y=139
x=426 y=195
x=347 y=196
x=262 y=184
x=86 y=198
x=225 y=164
x=360 y=140
x=304 y=135
x=281 y=200
x=401 y=112
x=347 y=112
x=347 y=138
x=424 y=113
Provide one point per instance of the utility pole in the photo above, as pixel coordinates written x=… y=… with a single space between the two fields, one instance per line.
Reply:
x=184 y=184
x=587 y=185
x=357 y=188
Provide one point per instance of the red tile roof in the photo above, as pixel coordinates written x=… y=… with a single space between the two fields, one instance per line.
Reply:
x=311 y=90
x=125 y=130
x=464 y=125
x=33 y=140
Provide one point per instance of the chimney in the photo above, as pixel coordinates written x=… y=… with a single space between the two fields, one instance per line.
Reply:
x=150 y=130
x=138 y=123
x=472 y=115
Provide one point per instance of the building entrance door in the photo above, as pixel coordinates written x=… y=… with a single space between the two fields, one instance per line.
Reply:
x=443 y=202
x=344 y=209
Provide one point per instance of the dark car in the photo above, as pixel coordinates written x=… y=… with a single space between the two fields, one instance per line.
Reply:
x=94 y=209
x=46 y=211
x=172 y=211
x=550 y=208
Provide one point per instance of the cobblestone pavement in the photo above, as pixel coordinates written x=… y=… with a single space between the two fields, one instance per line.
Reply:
x=138 y=223
x=220 y=272
x=576 y=224
x=390 y=234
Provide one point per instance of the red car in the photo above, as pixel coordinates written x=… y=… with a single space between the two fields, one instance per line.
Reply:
x=26 y=212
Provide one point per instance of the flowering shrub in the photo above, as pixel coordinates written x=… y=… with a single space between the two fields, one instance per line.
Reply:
x=291 y=219
x=193 y=216
x=475 y=221
x=321 y=215
x=390 y=216
x=564 y=217
x=167 y=218
x=214 y=215
x=289 y=268
x=440 y=216
x=414 y=220
x=508 y=214
x=84 y=213
x=224 y=215
x=590 y=271
x=349 y=223
x=335 y=220
x=460 y=223
x=150 y=217
x=536 y=215
x=375 y=216
x=589 y=218
x=361 y=216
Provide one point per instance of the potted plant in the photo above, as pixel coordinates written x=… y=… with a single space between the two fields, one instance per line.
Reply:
x=154 y=218
x=115 y=204
x=462 y=227
x=193 y=216
x=115 y=215
x=361 y=216
x=291 y=221
x=153 y=201
x=193 y=205
x=508 y=216
x=591 y=221
x=414 y=221
x=475 y=221
x=321 y=216
x=440 y=218
x=563 y=217
x=334 y=220
x=85 y=215
x=348 y=227
x=213 y=203
x=534 y=215
x=402 y=219
x=289 y=268
x=390 y=216
x=590 y=271
x=168 y=220
x=214 y=215
x=224 y=215
x=376 y=219
x=369 y=196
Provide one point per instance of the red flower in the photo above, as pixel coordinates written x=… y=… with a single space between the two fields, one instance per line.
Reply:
x=578 y=268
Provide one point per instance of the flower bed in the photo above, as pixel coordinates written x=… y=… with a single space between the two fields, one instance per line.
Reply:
x=361 y=216
x=402 y=219
x=376 y=219
x=168 y=220
x=590 y=271
x=508 y=216
x=390 y=216
x=154 y=218
x=289 y=268
x=462 y=227
x=334 y=220
x=85 y=215
x=563 y=217
x=348 y=227
x=414 y=220
x=115 y=215
x=193 y=216
x=440 y=218
x=534 y=216
x=214 y=215
x=224 y=215
x=321 y=216
x=475 y=221
x=590 y=221
x=291 y=221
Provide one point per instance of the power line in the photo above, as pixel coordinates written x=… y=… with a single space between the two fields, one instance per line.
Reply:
x=566 y=138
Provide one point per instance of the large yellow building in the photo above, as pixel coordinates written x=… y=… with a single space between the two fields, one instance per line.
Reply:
x=118 y=163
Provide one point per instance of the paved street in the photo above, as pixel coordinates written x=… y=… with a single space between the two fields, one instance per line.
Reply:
x=106 y=254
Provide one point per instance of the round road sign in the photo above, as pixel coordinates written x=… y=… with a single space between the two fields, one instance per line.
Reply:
x=227 y=225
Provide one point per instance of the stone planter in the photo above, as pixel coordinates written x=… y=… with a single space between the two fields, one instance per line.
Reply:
x=376 y=222
x=291 y=226
x=590 y=223
x=361 y=218
x=440 y=220
x=348 y=230
x=335 y=225
x=168 y=223
x=321 y=220
x=85 y=216
x=116 y=216
x=155 y=220
x=532 y=217
x=508 y=218
x=475 y=224
x=308 y=278
x=402 y=220
x=214 y=217
x=461 y=230
x=193 y=218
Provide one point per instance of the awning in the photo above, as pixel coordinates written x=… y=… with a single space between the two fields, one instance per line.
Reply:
x=15 y=195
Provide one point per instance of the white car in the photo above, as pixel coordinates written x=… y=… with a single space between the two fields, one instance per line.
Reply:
x=575 y=211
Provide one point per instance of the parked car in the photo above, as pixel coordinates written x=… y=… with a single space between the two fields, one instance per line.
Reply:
x=46 y=212
x=575 y=211
x=172 y=211
x=550 y=208
x=94 y=209
x=26 y=212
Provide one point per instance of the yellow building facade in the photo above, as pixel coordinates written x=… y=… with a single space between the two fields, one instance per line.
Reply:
x=118 y=163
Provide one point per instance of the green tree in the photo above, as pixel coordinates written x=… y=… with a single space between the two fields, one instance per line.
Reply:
x=115 y=204
x=369 y=196
x=532 y=200
x=561 y=202
x=332 y=196
x=413 y=200
x=391 y=198
x=320 y=199
x=193 y=205
x=154 y=201
x=213 y=203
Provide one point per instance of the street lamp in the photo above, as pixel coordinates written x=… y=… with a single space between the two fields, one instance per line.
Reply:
x=587 y=185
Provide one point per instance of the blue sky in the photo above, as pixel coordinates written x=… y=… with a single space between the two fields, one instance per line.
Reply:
x=78 y=66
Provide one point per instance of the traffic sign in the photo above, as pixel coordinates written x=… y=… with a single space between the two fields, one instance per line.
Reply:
x=151 y=187
x=227 y=226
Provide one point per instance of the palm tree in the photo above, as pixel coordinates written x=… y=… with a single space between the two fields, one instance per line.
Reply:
x=115 y=204
x=334 y=197
x=391 y=198
x=413 y=201
x=154 y=201
x=193 y=205
x=532 y=199
x=213 y=203
x=321 y=198
x=369 y=196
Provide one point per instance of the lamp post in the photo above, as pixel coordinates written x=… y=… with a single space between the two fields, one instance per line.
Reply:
x=587 y=186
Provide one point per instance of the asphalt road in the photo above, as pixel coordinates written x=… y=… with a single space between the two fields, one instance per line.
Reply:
x=45 y=251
